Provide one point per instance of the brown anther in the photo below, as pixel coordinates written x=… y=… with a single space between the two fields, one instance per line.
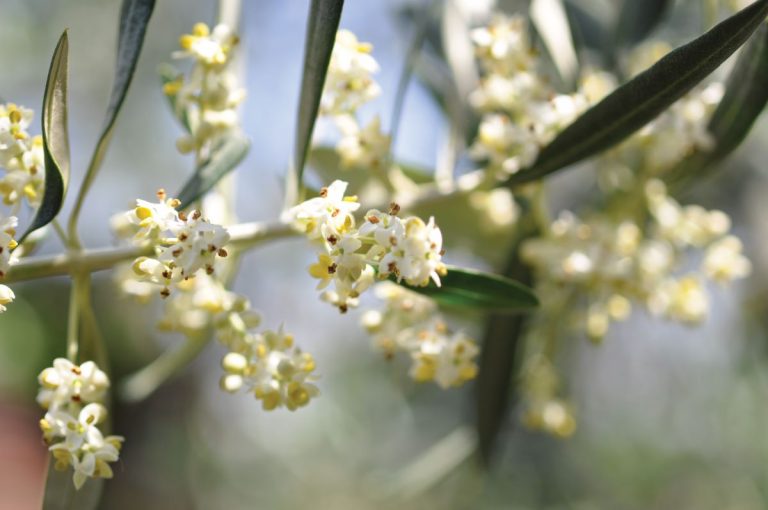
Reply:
x=442 y=252
x=183 y=236
x=393 y=240
x=212 y=248
x=392 y=267
x=174 y=202
x=373 y=219
x=177 y=252
x=394 y=208
x=1 y=249
x=166 y=274
x=332 y=268
x=343 y=308
x=182 y=216
x=2 y=274
x=222 y=252
x=76 y=370
x=323 y=192
x=76 y=398
x=165 y=293
x=161 y=194
x=332 y=239
x=196 y=215
x=209 y=270
x=335 y=213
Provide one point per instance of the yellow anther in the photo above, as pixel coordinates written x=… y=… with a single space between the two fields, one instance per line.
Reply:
x=201 y=30
x=143 y=212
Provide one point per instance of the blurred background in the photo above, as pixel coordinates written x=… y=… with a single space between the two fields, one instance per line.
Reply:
x=669 y=417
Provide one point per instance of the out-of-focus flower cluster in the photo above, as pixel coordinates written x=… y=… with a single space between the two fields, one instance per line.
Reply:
x=521 y=112
x=411 y=323
x=184 y=243
x=407 y=249
x=615 y=263
x=7 y=243
x=348 y=86
x=206 y=100
x=21 y=158
x=73 y=397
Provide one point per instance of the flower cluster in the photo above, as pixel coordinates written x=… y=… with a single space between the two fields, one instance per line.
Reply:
x=614 y=263
x=521 y=112
x=270 y=366
x=206 y=100
x=184 y=243
x=267 y=364
x=385 y=245
x=411 y=323
x=21 y=157
x=348 y=86
x=7 y=243
x=73 y=397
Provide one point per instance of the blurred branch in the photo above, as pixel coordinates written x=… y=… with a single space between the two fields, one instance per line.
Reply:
x=242 y=236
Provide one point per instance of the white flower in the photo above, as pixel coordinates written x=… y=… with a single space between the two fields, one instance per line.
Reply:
x=208 y=48
x=508 y=146
x=723 y=260
x=271 y=368
x=7 y=242
x=504 y=45
x=83 y=445
x=6 y=296
x=66 y=382
x=447 y=360
x=362 y=148
x=348 y=83
x=330 y=214
x=683 y=299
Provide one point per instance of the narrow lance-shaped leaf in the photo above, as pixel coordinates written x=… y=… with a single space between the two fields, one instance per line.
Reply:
x=224 y=158
x=324 y=16
x=746 y=95
x=467 y=288
x=134 y=17
x=499 y=358
x=640 y=100
x=55 y=138
x=638 y=18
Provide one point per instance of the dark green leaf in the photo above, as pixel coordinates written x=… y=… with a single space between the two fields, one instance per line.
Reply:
x=638 y=18
x=467 y=288
x=746 y=95
x=324 y=16
x=499 y=357
x=55 y=138
x=640 y=100
x=134 y=17
x=224 y=158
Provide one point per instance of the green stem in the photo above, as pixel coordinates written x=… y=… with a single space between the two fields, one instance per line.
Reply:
x=144 y=382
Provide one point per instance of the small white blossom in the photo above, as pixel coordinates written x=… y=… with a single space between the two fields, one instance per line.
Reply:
x=6 y=297
x=349 y=83
x=330 y=214
x=724 y=262
x=365 y=147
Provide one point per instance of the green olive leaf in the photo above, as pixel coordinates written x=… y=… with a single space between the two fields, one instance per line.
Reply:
x=55 y=138
x=637 y=102
x=500 y=357
x=323 y=22
x=223 y=159
x=134 y=18
x=468 y=288
x=746 y=95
